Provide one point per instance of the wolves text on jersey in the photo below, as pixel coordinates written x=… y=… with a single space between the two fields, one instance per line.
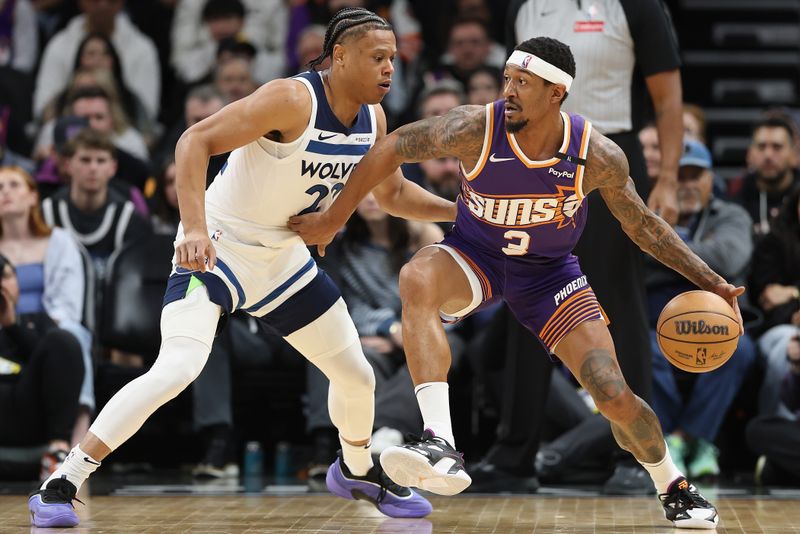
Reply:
x=335 y=170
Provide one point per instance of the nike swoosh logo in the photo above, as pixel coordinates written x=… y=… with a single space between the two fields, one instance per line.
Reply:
x=326 y=137
x=546 y=13
x=87 y=459
x=495 y=159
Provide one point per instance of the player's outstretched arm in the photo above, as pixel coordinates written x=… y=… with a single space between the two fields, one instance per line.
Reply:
x=607 y=170
x=459 y=133
x=403 y=198
x=281 y=106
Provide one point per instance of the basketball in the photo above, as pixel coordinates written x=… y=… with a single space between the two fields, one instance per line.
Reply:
x=697 y=331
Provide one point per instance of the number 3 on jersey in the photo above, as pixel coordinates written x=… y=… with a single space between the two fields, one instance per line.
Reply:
x=519 y=248
x=321 y=191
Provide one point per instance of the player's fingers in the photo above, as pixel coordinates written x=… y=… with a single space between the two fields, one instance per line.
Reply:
x=321 y=249
x=196 y=254
x=212 y=257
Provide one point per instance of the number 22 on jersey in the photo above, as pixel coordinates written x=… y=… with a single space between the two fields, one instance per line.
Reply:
x=321 y=191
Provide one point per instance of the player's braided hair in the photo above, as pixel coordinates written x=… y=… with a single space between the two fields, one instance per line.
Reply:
x=343 y=21
x=553 y=51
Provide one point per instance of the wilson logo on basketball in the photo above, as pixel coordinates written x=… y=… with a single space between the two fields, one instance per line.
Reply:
x=683 y=328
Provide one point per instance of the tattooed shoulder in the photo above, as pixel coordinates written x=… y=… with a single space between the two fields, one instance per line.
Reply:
x=606 y=164
x=458 y=133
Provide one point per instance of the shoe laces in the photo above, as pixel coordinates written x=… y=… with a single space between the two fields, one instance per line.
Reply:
x=686 y=498
x=58 y=493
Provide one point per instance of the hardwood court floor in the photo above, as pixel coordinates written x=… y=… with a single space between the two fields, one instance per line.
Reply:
x=461 y=514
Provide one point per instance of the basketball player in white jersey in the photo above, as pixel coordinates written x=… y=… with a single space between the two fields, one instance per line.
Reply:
x=295 y=141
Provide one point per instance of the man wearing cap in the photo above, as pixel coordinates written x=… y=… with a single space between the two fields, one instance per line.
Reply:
x=527 y=167
x=719 y=233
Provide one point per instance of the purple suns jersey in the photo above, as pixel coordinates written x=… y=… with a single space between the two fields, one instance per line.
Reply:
x=524 y=209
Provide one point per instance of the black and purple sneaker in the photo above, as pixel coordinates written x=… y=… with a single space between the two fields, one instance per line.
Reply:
x=52 y=506
x=389 y=498
x=428 y=463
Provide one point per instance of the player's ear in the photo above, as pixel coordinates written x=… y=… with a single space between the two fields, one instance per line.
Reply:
x=338 y=53
x=557 y=93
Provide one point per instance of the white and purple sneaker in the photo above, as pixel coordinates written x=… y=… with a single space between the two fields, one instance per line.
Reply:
x=52 y=506
x=375 y=487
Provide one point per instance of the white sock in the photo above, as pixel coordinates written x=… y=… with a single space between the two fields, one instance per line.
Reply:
x=663 y=473
x=357 y=457
x=434 y=403
x=77 y=467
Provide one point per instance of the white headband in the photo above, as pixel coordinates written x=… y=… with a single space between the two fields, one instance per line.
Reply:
x=539 y=67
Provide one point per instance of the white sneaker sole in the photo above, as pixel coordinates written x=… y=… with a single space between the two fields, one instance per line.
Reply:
x=697 y=523
x=411 y=469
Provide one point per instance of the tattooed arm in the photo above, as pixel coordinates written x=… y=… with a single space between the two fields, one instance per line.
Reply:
x=607 y=171
x=459 y=133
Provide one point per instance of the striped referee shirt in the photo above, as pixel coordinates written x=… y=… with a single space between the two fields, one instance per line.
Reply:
x=614 y=42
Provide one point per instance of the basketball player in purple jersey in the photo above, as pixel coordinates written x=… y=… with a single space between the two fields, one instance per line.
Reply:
x=526 y=169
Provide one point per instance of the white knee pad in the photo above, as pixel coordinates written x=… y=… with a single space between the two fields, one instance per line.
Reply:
x=193 y=316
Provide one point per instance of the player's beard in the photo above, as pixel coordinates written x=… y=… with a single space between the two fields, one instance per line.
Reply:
x=515 y=126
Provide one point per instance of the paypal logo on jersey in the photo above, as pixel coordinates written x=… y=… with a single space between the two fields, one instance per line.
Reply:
x=561 y=174
x=338 y=170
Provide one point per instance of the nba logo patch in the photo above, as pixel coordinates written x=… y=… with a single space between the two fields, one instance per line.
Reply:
x=216 y=235
x=525 y=61
x=700 y=357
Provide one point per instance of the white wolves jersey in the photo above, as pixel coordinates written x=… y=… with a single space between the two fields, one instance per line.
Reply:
x=257 y=190
x=262 y=263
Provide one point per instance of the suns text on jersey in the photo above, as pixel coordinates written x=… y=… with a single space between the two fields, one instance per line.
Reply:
x=519 y=211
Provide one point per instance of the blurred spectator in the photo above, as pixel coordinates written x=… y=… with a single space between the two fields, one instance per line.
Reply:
x=104 y=115
x=772 y=174
x=777 y=438
x=366 y=262
x=309 y=47
x=717 y=231
x=19 y=36
x=165 y=214
x=50 y=271
x=439 y=98
x=40 y=380
x=484 y=85
x=443 y=177
x=98 y=52
x=138 y=57
x=635 y=49
x=470 y=47
x=201 y=102
x=775 y=288
x=648 y=137
x=100 y=218
x=694 y=123
x=200 y=25
x=234 y=79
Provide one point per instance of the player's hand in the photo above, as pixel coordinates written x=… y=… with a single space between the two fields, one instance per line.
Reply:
x=730 y=293
x=195 y=251
x=315 y=229
x=663 y=199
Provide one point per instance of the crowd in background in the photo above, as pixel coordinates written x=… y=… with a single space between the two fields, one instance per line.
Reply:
x=94 y=95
